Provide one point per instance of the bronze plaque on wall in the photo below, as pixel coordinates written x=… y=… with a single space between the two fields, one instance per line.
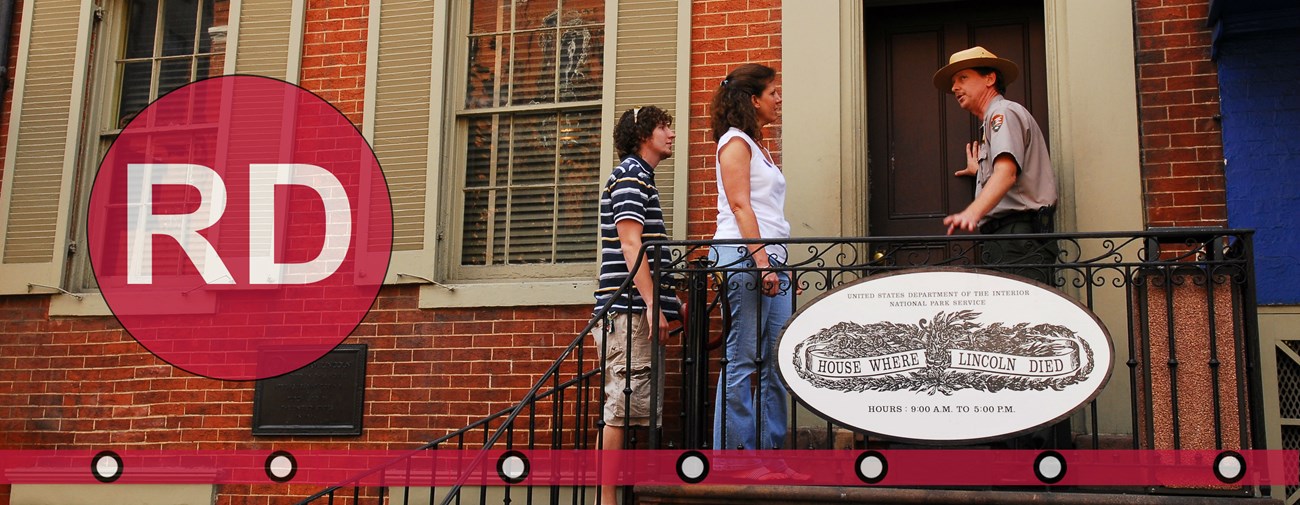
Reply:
x=326 y=397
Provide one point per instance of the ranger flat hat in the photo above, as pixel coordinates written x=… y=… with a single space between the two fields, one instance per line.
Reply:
x=970 y=58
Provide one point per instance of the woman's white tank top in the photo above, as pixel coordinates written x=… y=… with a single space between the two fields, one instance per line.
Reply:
x=766 y=196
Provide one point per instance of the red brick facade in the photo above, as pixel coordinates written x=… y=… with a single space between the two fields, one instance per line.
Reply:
x=334 y=53
x=7 y=106
x=1182 y=144
x=83 y=382
x=724 y=35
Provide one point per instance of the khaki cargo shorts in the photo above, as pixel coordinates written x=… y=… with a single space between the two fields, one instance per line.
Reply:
x=618 y=375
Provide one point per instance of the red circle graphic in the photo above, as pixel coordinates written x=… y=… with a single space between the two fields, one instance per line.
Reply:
x=240 y=227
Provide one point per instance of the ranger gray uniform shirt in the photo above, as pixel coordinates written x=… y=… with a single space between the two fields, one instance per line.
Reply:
x=1008 y=128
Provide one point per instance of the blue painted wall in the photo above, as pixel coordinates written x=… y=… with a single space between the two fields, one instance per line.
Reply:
x=1259 y=82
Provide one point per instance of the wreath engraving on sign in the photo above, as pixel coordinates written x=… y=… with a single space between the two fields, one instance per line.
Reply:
x=947 y=353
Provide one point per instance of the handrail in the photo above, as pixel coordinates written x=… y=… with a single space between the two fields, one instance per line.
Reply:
x=555 y=366
x=1107 y=251
x=512 y=412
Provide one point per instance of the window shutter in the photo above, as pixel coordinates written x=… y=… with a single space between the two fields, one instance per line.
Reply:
x=263 y=45
x=261 y=34
x=648 y=66
x=403 y=87
x=39 y=159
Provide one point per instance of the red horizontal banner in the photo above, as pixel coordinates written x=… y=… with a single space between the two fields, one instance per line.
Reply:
x=1184 y=468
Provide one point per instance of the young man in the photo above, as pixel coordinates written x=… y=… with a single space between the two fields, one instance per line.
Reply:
x=631 y=215
x=1015 y=187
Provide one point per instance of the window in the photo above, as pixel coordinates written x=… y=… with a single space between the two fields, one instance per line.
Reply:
x=147 y=48
x=167 y=44
x=529 y=135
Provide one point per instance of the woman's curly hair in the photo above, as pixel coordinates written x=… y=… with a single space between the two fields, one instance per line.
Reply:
x=732 y=105
x=635 y=126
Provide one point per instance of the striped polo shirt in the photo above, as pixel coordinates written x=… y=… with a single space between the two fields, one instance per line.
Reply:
x=630 y=193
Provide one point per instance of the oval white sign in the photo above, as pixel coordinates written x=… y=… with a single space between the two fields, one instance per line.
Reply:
x=945 y=355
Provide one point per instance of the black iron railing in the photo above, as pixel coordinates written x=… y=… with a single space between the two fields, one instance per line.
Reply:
x=1168 y=284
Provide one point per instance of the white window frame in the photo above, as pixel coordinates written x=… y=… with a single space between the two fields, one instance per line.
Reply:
x=571 y=276
x=99 y=131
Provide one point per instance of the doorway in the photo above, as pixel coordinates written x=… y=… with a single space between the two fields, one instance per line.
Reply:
x=916 y=133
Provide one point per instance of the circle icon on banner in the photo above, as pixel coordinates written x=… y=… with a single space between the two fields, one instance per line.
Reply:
x=512 y=467
x=239 y=227
x=871 y=467
x=1050 y=467
x=1229 y=467
x=106 y=466
x=692 y=467
x=281 y=466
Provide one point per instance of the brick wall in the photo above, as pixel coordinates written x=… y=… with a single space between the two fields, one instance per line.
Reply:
x=1182 y=147
x=724 y=35
x=334 y=53
x=7 y=104
x=84 y=383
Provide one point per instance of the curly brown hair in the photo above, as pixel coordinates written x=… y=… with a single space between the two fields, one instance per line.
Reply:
x=731 y=103
x=635 y=126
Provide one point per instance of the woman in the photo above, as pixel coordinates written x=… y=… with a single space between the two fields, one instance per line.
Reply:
x=751 y=205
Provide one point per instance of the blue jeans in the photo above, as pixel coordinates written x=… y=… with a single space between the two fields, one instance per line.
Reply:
x=751 y=416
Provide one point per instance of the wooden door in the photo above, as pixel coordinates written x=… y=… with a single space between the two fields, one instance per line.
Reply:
x=916 y=133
